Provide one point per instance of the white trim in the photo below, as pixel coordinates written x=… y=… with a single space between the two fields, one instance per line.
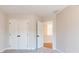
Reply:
x=2 y=50
x=59 y=51
x=54 y=48
x=61 y=9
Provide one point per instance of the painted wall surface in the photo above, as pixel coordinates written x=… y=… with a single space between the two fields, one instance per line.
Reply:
x=67 y=29
x=3 y=31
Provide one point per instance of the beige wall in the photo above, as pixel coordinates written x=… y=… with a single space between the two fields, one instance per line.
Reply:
x=67 y=29
x=3 y=31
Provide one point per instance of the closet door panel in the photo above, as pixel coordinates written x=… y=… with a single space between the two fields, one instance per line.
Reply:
x=13 y=31
x=32 y=34
x=40 y=34
x=23 y=33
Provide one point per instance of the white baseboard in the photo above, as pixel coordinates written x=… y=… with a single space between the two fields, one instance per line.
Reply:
x=59 y=51
x=2 y=50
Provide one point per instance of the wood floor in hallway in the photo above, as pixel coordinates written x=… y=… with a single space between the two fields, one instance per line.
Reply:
x=48 y=45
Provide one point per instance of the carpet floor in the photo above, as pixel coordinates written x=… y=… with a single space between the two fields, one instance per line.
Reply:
x=40 y=50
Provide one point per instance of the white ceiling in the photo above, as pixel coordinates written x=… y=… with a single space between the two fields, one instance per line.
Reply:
x=41 y=10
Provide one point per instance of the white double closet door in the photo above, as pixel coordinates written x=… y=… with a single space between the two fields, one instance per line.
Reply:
x=22 y=34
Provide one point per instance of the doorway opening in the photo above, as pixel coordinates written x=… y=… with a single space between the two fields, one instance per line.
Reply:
x=48 y=33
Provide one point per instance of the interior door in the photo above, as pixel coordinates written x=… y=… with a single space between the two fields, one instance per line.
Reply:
x=18 y=34
x=31 y=34
x=27 y=30
x=13 y=31
x=22 y=34
x=39 y=34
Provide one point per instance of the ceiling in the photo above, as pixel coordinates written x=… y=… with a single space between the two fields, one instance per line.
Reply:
x=41 y=10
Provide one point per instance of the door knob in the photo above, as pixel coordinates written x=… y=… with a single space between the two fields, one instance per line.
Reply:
x=37 y=35
x=18 y=36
